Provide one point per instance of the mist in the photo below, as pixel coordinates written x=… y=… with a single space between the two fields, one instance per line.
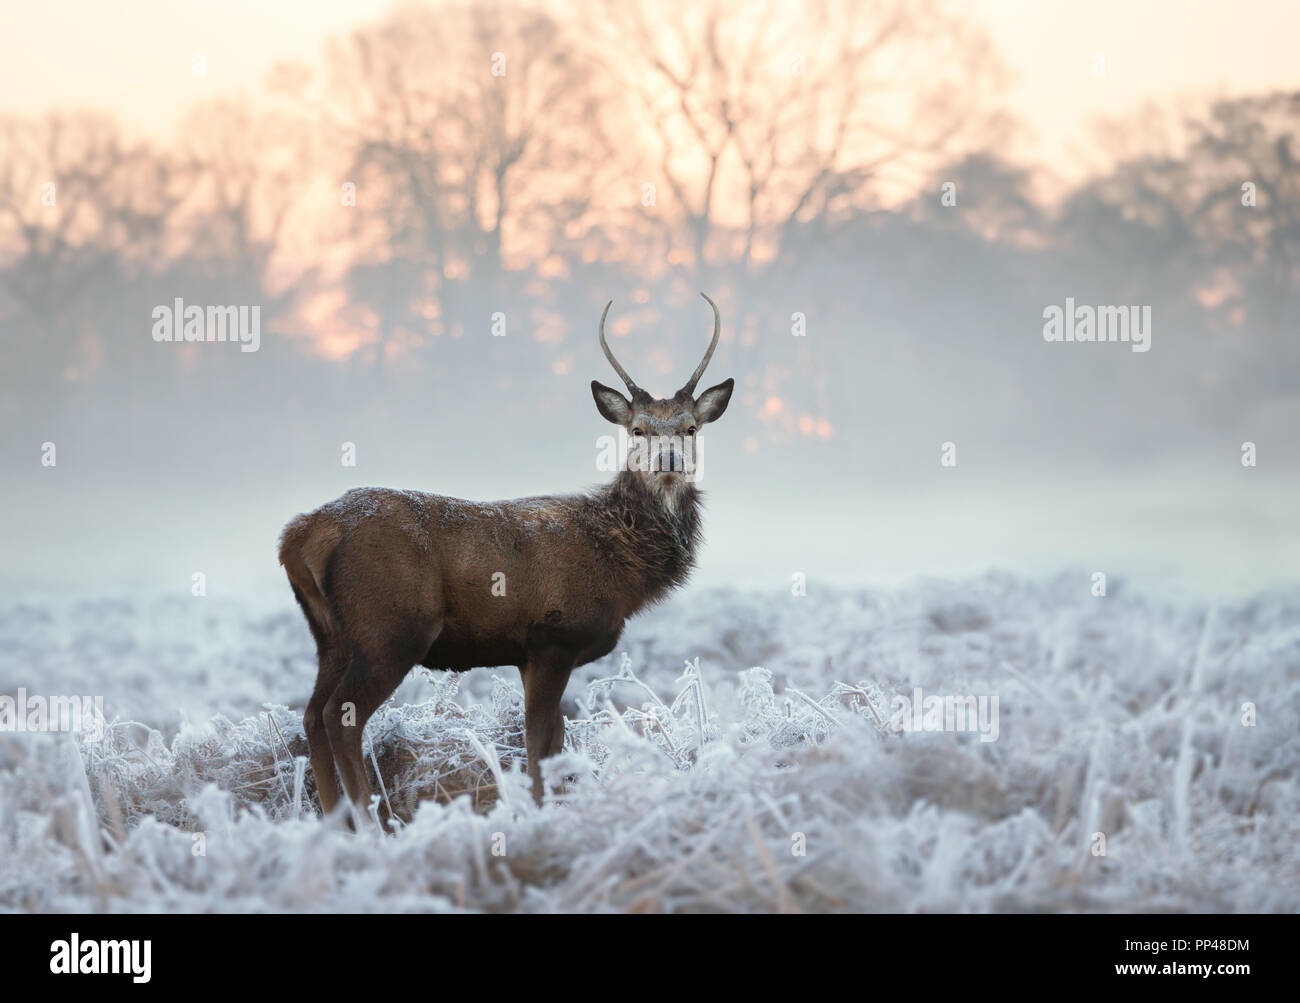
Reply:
x=429 y=245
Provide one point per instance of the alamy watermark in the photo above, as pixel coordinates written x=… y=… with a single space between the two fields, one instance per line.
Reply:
x=76 y=715
x=75 y=956
x=680 y=454
x=1129 y=324
x=178 y=322
x=950 y=712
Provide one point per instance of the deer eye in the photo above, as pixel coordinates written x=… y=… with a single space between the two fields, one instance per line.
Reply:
x=691 y=430
x=637 y=431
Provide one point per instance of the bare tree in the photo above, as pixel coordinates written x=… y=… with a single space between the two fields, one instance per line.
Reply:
x=760 y=116
x=1245 y=162
x=83 y=213
x=248 y=167
x=470 y=133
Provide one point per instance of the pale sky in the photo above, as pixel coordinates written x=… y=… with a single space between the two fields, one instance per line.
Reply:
x=133 y=56
x=1162 y=51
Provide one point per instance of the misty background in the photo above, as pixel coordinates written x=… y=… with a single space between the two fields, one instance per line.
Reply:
x=382 y=202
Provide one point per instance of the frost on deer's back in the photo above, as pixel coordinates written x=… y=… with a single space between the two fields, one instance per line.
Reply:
x=352 y=510
x=421 y=515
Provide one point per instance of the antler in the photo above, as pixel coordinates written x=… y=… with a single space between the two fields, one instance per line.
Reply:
x=717 y=330
x=632 y=387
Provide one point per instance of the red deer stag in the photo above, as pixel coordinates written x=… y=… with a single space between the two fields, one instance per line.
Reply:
x=390 y=579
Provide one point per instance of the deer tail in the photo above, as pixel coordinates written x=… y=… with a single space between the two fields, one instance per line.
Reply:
x=306 y=545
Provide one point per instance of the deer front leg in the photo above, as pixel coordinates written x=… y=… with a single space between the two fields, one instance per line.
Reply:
x=545 y=675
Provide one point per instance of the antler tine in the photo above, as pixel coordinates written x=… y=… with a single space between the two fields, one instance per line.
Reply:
x=717 y=331
x=610 y=355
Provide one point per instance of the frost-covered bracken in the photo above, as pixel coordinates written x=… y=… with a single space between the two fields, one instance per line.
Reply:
x=738 y=751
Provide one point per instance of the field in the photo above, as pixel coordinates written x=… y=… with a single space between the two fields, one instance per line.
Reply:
x=739 y=751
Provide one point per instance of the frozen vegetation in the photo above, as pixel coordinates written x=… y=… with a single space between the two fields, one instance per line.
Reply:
x=773 y=779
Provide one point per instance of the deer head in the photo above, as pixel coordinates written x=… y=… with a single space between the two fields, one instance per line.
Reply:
x=662 y=432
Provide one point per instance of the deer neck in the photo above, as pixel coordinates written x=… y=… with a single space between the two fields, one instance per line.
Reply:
x=654 y=534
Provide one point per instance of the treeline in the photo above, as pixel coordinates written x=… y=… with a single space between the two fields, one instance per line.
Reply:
x=452 y=169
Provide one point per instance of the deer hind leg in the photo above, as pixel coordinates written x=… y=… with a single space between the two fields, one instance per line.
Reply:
x=545 y=676
x=333 y=663
x=366 y=684
x=332 y=660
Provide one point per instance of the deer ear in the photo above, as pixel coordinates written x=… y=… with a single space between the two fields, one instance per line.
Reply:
x=611 y=404
x=710 y=404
